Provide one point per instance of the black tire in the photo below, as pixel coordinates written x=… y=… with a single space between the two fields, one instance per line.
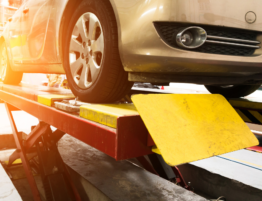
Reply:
x=112 y=82
x=234 y=91
x=9 y=76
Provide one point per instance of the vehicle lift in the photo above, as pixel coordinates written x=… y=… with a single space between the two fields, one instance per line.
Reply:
x=164 y=124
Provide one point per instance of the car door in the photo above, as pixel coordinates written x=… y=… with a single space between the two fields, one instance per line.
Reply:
x=15 y=35
x=36 y=14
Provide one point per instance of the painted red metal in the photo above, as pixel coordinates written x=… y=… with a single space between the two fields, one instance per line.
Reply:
x=256 y=149
x=31 y=139
x=180 y=178
x=96 y=135
x=150 y=141
x=20 y=150
x=75 y=192
x=131 y=138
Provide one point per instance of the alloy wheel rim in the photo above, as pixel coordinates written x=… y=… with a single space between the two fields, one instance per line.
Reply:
x=3 y=66
x=86 y=50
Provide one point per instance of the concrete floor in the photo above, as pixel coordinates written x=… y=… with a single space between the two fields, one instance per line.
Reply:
x=8 y=191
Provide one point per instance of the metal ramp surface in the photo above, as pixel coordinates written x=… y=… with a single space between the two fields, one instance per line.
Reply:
x=190 y=127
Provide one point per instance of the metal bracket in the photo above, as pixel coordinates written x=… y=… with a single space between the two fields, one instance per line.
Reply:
x=42 y=142
x=53 y=171
x=21 y=152
x=167 y=172
x=71 y=106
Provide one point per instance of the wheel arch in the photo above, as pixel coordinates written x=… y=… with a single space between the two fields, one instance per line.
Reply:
x=68 y=12
x=3 y=40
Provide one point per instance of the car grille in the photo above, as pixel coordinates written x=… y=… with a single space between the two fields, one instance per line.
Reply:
x=167 y=31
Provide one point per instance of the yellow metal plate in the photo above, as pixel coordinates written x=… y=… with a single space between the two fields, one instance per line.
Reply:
x=107 y=114
x=50 y=98
x=190 y=127
x=17 y=161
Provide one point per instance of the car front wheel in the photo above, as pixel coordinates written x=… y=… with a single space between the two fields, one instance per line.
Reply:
x=91 y=57
x=233 y=91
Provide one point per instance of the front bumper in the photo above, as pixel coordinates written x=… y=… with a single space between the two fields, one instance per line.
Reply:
x=143 y=50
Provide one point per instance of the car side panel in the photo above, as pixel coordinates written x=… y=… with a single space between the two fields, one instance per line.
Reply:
x=14 y=35
x=142 y=50
x=34 y=29
x=49 y=60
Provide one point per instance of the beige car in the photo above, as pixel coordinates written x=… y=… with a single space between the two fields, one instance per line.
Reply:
x=104 y=46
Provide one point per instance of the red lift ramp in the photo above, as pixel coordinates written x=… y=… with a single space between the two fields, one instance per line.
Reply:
x=191 y=127
x=118 y=130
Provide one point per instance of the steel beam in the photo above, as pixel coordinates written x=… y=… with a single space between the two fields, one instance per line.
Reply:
x=22 y=153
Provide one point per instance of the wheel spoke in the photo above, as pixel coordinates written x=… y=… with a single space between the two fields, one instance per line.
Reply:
x=98 y=45
x=75 y=46
x=94 y=69
x=83 y=77
x=81 y=27
x=93 y=21
x=75 y=66
x=86 y=50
